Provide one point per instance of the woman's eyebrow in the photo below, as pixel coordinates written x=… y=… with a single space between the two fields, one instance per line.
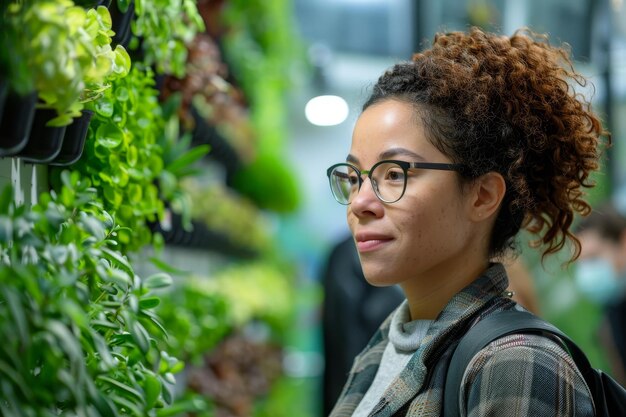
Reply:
x=390 y=153
x=352 y=159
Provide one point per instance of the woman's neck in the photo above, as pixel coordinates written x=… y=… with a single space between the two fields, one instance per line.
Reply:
x=429 y=293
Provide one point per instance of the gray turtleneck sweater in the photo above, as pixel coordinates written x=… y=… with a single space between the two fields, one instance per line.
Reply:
x=405 y=337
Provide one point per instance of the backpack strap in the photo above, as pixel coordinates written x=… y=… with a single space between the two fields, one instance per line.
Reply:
x=493 y=327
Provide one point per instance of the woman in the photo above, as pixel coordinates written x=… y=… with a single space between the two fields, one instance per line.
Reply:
x=454 y=153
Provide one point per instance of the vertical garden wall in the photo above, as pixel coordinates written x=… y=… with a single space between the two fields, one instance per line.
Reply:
x=152 y=127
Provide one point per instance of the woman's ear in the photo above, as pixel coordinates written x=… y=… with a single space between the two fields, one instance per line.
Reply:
x=487 y=194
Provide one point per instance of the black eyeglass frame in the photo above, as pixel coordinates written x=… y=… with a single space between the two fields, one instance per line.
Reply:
x=402 y=164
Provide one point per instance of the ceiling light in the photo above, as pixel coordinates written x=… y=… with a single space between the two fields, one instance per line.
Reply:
x=326 y=110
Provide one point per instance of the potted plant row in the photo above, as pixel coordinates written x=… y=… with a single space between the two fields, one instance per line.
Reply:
x=24 y=133
x=62 y=58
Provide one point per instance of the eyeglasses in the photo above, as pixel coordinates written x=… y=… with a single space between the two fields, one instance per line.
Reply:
x=388 y=178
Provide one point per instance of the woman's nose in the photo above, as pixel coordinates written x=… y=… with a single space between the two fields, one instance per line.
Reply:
x=365 y=202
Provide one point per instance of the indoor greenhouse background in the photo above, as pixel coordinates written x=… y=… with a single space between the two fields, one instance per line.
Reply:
x=164 y=239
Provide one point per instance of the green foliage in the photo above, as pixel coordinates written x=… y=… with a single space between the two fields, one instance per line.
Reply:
x=270 y=183
x=230 y=214
x=200 y=311
x=255 y=291
x=106 y=64
x=195 y=405
x=222 y=109
x=121 y=159
x=263 y=49
x=179 y=158
x=207 y=319
x=196 y=318
x=74 y=315
x=166 y=26
x=286 y=399
x=63 y=52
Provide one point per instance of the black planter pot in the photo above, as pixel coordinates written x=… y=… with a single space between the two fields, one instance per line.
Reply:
x=121 y=23
x=74 y=140
x=202 y=238
x=4 y=89
x=44 y=142
x=159 y=80
x=92 y=4
x=16 y=122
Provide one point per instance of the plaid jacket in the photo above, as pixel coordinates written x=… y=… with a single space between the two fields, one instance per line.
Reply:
x=518 y=375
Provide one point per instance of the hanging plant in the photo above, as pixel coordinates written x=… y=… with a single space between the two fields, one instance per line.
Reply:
x=263 y=52
x=75 y=319
x=64 y=53
x=121 y=159
x=165 y=27
x=208 y=99
x=205 y=73
x=107 y=64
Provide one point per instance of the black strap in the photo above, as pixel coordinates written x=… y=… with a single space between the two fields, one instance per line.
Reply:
x=493 y=327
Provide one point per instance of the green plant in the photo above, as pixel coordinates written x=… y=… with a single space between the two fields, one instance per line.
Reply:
x=264 y=52
x=197 y=318
x=190 y=404
x=63 y=52
x=224 y=211
x=223 y=110
x=288 y=397
x=269 y=182
x=240 y=370
x=179 y=159
x=263 y=49
x=107 y=64
x=12 y=63
x=255 y=291
x=217 y=101
x=165 y=27
x=74 y=315
x=230 y=330
x=200 y=311
x=122 y=160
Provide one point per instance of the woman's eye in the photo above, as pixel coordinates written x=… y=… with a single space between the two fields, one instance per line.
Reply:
x=353 y=179
x=395 y=175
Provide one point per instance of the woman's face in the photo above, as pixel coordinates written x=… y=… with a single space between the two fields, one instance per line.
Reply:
x=424 y=233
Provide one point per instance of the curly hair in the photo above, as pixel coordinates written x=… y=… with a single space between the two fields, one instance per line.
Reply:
x=505 y=104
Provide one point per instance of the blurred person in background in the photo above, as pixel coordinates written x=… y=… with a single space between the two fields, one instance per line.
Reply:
x=351 y=312
x=455 y=151
x=601 y=276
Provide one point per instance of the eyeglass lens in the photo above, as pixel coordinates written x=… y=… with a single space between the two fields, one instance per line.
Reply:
x=388 y=180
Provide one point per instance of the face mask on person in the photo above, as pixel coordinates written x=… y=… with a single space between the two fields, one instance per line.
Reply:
x=598 y=280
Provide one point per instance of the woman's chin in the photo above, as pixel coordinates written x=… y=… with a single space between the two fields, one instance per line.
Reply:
x=379 y=280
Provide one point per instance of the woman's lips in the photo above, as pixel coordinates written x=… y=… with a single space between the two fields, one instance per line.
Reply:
x=371 y=242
